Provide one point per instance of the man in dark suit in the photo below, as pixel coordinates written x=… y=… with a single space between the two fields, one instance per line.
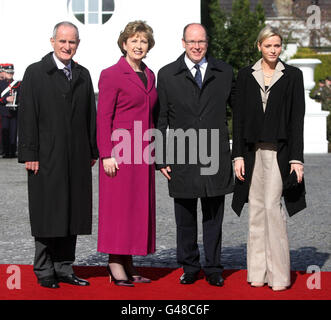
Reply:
x=57 y=143
x=193 y=93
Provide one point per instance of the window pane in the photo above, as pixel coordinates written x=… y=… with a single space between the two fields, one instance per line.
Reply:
x=78 y=5
x=93 y=5
x=93 y=18
x=80 y=17
x=105 y=18
x=108 y=5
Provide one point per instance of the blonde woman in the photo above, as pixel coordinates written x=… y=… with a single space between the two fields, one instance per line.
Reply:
x=268 y=155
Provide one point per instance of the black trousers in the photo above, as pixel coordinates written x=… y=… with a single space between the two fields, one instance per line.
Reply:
x=9 y=135
x=187 y=232
x=54 y=256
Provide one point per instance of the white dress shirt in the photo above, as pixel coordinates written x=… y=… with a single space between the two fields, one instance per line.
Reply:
x=61 y=65
x=190 y=65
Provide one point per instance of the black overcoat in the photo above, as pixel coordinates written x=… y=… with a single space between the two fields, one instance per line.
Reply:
x=57 y=127
x=281 y=123
x=182 y=105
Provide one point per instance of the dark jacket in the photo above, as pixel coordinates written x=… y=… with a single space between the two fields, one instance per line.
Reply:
x=57 y=127
x=281 y=123
x=182 y=105
x=5 y=111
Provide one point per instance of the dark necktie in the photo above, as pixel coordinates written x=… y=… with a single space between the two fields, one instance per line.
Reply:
x=67 y=72
x=198 y=77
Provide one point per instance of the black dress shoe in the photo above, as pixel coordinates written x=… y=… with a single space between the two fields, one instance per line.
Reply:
x=49 y=282
x=215 y=279
x=188 y=278
x=73 y=279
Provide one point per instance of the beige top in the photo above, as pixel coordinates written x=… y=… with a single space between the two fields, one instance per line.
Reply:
x=259 y=77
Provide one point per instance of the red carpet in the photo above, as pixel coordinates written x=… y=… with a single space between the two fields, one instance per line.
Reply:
x=165 y=286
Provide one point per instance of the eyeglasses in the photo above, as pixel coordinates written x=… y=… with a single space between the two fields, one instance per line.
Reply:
x=200 y=43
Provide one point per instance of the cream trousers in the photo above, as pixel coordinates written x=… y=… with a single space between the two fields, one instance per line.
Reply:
x=268 y=257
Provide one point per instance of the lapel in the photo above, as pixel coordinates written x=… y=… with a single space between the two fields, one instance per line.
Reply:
x=132 y=76
x=209 y=75
x=258 y=74
x=184 y=75
x=211 y=68
x=182 y=68
x=259 y=77
x=277 y=74
x=58 y=77
x=63 y=85
x=76 y=71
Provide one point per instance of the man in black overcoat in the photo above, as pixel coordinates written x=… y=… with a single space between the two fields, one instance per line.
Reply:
x=57 y=143
x=193 y=94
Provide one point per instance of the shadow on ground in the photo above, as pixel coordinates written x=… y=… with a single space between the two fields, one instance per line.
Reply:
x=231 y=258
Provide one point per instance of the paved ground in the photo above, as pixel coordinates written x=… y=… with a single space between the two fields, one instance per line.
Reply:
x=309 y=231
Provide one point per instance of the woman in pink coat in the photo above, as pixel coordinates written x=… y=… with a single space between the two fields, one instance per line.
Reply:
x=127 y=96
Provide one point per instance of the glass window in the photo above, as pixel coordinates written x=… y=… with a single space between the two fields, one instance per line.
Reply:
x=93 y=11
x=93 y=18
x=80 y=17
x=93 y=5
x=108 y=5
x=78 y=5
x=106 y=17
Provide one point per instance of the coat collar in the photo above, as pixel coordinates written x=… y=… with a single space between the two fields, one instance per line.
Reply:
x=212 y=67
x=50 y=67
x=258 y=74
x=132 y=75
x=181 y=65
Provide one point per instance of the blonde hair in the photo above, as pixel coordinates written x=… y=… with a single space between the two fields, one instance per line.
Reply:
x=131 y=29
x=267 y=32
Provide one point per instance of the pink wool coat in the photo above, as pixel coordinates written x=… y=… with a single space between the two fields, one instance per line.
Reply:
x=126 y=201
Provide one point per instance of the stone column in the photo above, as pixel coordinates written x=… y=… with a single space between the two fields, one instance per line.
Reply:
x=315 y=140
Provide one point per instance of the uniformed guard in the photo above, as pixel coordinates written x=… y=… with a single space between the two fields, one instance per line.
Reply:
x=317 y=92
x=326 y=95
x=326 y=104
x=2 y=72
x=9 y=101
x=2 y=77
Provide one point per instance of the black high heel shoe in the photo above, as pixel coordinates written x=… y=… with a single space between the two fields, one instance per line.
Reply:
x=124 y=283
x=137 y=278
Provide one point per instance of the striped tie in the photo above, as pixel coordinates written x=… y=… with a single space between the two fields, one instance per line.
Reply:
x=67 y=72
